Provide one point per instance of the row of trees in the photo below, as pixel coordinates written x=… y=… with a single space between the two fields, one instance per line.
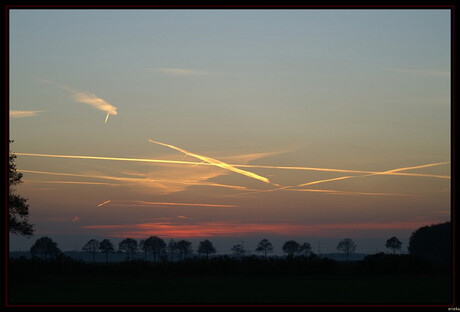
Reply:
x=157 y=248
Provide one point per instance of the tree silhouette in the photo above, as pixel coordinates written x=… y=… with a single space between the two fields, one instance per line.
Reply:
x=156 y=246
x=433 y=243
x=144 y=247
x=44 y=247
x=106 y=247
x=92 y=247
x=206 y=248
x=172 y=245
x=184 y=247
x=264 y=247
x=291 y=247
x=128 y=245
x=18 y=210
x=347 y=246
x=305 y=248
x=238 y=250
x=394 y=244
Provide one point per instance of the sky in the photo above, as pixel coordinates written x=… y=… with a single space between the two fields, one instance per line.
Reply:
x=231 y=125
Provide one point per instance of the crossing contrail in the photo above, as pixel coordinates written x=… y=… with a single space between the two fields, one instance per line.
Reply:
x=166 y=161
x=215 y=162
x=388 y=172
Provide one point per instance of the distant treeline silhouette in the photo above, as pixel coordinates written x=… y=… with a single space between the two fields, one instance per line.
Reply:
x=53 y=264
x=432 y=243
x=155 y=249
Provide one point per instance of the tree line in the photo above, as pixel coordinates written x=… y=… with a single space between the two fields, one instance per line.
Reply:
x=156 y=249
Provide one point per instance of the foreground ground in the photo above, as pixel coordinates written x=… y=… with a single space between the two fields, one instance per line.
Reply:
x=378 y=280
x=236 y=290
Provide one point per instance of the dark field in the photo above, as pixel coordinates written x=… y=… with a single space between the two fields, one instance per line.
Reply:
x=387 y=280
x=236 y=290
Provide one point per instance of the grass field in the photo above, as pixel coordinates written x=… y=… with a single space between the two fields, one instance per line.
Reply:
x=235 y=290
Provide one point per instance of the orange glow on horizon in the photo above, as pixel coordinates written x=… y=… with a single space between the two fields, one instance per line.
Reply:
x=220 y=229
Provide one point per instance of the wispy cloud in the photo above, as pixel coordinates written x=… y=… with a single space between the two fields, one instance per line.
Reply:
x=215 y=162
x=87 y=98
x=22 y=114
x=97 y=102
x=180 y=71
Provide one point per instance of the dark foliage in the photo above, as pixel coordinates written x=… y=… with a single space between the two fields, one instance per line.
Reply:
x=128 y=246
x=106 y=247
x=206 y=247
x=433 y=243
x=45 y=248
x=91 y=247
x=184 y=247
x=156 y=246
x=264 y=247
x=18 y=210
x=347 y=246
x=291 y=247
x=394 y=244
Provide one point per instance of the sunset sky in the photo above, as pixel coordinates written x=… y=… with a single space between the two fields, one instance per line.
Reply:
x=231 y=125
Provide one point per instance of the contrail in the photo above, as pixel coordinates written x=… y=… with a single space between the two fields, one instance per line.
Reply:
x=106 y=202
x=347 y=192
x=389 y=172
x=147 y=203
x=418 y=167
x=21 y=114
x=87 y=98
x=346 y=170
x=112 y=158
x=392 y=171
x=139 y=180
x=215 y=162
x=68 y=182
x=326 y=180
